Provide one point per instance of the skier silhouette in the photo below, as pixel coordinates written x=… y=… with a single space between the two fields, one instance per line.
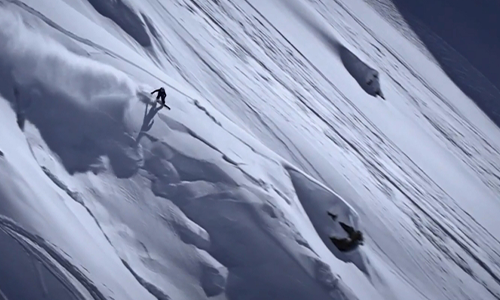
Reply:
x=161 y=94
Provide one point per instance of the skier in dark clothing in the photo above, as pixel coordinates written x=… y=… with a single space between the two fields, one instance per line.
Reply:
x=161 y=94
x=355 y=237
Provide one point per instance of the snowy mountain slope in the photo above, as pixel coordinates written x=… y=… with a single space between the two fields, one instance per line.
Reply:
x=461 y=37
x=87 y=116
x=198 y=202
x=424 y=185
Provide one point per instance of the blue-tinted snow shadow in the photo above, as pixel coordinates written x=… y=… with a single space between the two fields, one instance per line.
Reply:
x=23 y=275
x=148 y=120
x=238 y=221
x=125 y=17
x=464 y=37
x=80 y=137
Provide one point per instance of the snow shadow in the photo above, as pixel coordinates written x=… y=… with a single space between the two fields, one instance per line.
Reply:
x=148 y=120
x=463 y=36
x=78 y=105
x=367 y=77
x=125 y=17
x=243 y=228
x=24 y=276
x=318 y=202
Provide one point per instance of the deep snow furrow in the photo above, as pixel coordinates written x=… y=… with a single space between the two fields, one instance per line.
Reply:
x=151 y=288
x=42 y=266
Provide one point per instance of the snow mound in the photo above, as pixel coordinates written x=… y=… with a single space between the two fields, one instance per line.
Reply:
x=317 y=202
x=78 y=105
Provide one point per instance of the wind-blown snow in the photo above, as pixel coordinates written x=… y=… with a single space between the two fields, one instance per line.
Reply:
x=226 y=195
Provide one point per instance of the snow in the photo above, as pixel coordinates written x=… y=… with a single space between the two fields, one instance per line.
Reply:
x=106 y=196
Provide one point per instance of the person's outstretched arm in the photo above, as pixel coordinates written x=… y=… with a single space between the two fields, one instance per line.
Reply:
x=155 y=91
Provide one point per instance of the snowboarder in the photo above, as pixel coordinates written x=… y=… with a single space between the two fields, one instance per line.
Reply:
x=161 y=95
x=355 y=237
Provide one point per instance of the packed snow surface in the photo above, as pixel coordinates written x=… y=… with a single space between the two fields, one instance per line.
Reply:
x=274 y=127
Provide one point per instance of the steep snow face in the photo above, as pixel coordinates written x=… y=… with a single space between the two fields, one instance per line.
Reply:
x=468 y=57
x=227 y=195
x=394 y=154
x=182 y=219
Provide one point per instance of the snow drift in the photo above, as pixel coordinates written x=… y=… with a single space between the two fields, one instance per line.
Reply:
x=317 y=202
